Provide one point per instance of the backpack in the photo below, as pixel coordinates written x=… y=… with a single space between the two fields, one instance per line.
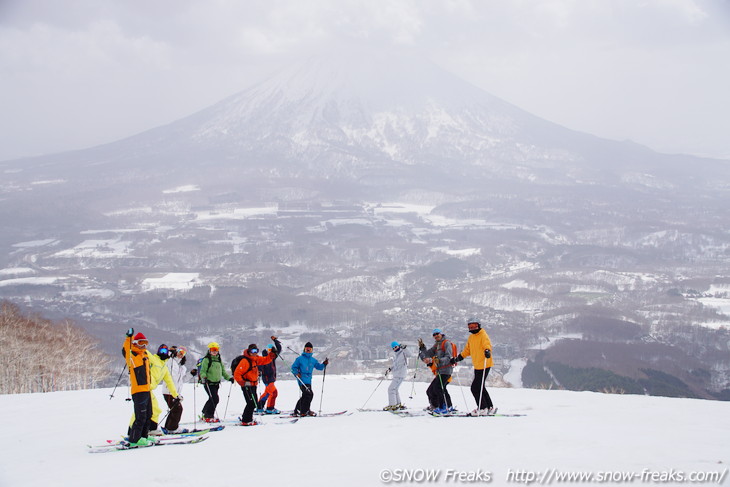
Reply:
x=454 y=350
x=235 y=362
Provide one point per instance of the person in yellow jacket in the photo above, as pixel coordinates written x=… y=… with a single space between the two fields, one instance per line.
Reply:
x=158 y=373
x=479 y=347
x=134 y=351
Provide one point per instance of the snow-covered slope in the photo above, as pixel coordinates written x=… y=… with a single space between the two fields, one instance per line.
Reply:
x=563 y=432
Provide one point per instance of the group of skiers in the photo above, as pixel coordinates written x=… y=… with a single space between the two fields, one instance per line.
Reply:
x=167 y=367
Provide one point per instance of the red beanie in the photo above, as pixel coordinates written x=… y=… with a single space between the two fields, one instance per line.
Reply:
x=140 y=336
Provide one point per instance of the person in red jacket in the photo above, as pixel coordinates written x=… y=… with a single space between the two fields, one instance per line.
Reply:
x=247 y=376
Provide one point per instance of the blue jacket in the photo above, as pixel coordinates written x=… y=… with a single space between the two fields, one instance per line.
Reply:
x=303 y=367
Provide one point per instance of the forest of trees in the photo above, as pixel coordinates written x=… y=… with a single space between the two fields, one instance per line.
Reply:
x=39 y=355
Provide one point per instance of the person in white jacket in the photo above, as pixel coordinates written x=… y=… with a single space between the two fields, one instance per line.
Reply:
x=400 y=371
x=176 y=366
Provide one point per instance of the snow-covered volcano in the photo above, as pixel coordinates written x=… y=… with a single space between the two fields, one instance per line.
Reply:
x=398 y=107
x=397 y=123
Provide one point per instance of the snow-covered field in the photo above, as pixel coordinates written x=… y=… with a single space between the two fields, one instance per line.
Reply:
x=605 y=436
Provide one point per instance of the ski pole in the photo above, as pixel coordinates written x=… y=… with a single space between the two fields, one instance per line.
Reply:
x=443 y=390
x=162 y=420
x=195 y=407
x=118 y=381
x=321 y=397
x=225 y=412
x=413 y=384
x=286 y=364
x=376 y=388
x=461 y=387
x=484 y=379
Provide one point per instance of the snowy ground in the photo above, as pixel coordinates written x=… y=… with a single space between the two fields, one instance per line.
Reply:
x=563 y=432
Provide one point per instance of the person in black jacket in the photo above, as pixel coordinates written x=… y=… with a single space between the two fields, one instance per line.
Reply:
x=268 y=377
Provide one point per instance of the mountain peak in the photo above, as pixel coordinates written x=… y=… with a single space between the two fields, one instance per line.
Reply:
x=398 y=106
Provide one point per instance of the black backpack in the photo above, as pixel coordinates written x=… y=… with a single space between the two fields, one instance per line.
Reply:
x=234 y=363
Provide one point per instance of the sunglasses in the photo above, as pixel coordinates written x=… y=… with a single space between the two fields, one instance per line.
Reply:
x=436 y=334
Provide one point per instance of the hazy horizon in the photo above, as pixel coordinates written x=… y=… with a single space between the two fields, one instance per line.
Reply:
x=90 y=72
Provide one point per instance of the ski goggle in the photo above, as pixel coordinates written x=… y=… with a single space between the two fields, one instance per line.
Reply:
x=473 y=325
x=254 y=350
x=163 y=351
x=215 y=349
x=141 y=343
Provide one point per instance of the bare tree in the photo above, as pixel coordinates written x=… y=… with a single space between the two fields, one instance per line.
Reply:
x=38 y=355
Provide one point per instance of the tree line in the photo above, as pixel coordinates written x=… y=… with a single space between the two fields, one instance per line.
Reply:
x=40 y=355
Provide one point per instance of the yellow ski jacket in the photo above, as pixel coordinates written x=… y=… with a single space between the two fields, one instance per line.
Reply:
x=475 y=346
x=160 y=372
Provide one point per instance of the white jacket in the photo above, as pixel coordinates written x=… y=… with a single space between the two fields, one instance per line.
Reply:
x=400 y=363
x=178 y=374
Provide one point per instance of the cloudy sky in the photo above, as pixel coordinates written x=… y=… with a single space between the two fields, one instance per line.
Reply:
x=77 y=73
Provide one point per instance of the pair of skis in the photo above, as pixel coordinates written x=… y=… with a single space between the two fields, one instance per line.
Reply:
x=181 y=439
x=410 y=413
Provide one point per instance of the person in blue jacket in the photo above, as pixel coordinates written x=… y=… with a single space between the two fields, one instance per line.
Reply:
x=302 y=368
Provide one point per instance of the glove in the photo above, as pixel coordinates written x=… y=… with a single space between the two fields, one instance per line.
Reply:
x=389 y=369
x=194 y=372
x=326 y=362
x=488 y=353
x=130 y=332
x=403 y=346
x=421 y=345
x=456 y=360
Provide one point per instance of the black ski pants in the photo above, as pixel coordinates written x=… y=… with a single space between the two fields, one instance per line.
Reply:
x=438 y=396
x=249 y=394
x=211 y=388
x=142 y=415
x=479 y=390
x=305 y=401
x=173 y=417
